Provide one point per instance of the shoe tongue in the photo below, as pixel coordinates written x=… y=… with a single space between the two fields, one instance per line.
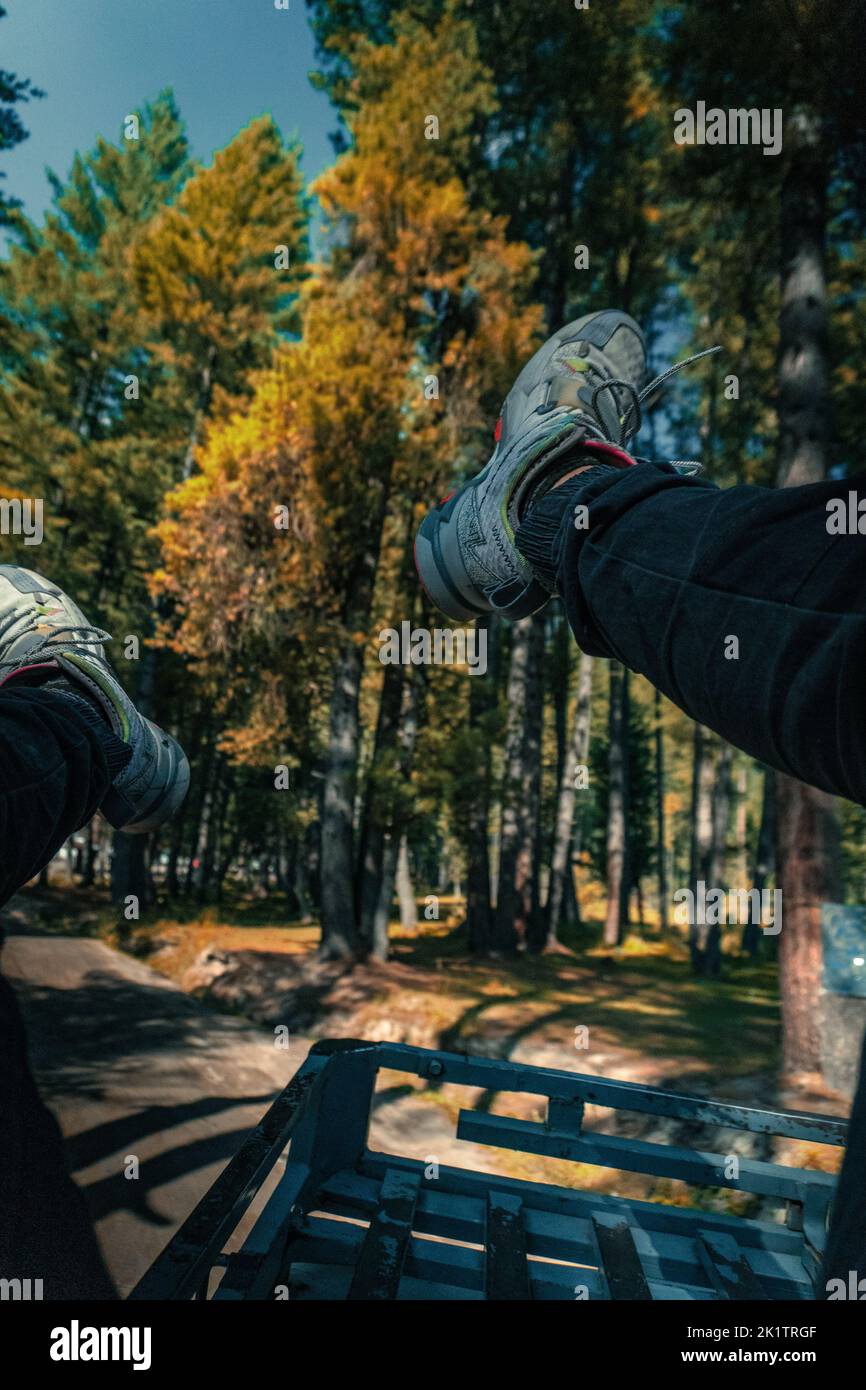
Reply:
x=579 y=392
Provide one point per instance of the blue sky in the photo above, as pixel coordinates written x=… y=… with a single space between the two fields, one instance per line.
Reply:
x=228 y=61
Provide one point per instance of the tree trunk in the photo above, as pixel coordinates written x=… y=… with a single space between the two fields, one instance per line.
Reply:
x=129 y=874
x=741 y=821
x=765 y=857
x=806 y=834
x=563 y=836
x=482 y=700
x=806 y=829
x=375 y=819
x=661 y=847
x=195 y=820
x=301 y=880
x=721 y=803
x=616 y=918
x=382 y=915
x=406 y=891
x=701 y=855
x=340 y=936
x=513 y=808
x=210 y=848
x=528 y=921
x=88 y=858
x=397 y=810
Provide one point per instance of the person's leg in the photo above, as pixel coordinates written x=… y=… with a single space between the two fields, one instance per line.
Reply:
x=846 y=1239
x=736 y=603
x=750 y=616
x=46 y=1232
x=71 y=740
x=57 y=759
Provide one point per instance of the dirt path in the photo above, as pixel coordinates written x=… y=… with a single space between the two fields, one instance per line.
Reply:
x=130 y=1065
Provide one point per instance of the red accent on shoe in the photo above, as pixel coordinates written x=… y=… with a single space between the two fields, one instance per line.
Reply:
x=24 y=670
x=447 y=497
x=617 y=456
x=497 y=433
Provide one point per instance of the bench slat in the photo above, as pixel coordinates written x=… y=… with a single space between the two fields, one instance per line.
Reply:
x=728 y=1270
x=620 y=1260
x=496 y=1075
x=637 y=1156
x=506 y=1271
x=383 y=1252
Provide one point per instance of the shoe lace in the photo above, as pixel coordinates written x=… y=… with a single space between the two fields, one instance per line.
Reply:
x=84 y=636
x=628 y=429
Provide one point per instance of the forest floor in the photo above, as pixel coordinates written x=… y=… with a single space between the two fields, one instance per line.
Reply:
x=635 y=1014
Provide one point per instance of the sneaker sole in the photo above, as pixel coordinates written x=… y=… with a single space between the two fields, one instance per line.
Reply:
x=440 y=568
x=173 y=774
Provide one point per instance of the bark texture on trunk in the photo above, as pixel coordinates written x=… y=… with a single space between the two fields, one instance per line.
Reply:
x=661 y=850
x=340 y=935
x=528 y=921
x=407 y=733
x=479 y=909
x=617 y=831
x=704 y=938
x=513 y=806
x=563 y=835
x=805 y=829
x=765 y=857
x=806 y=846
x=375 y=822
x=406 y=890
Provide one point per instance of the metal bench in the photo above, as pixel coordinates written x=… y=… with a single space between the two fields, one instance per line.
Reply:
x=306 y=1210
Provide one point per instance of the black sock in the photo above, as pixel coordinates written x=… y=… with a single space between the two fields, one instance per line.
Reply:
x=538 y=535
x=117 y=753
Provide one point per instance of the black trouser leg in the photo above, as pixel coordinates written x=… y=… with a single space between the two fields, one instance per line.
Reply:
x=750 y=615
x=738 y=605
x=45 y=1228
x=52 y=777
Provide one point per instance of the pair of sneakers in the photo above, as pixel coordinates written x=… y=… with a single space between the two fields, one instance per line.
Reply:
x=582 y=393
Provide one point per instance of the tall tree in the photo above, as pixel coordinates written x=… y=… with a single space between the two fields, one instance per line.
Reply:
x=417 y=287
x=540 y=153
